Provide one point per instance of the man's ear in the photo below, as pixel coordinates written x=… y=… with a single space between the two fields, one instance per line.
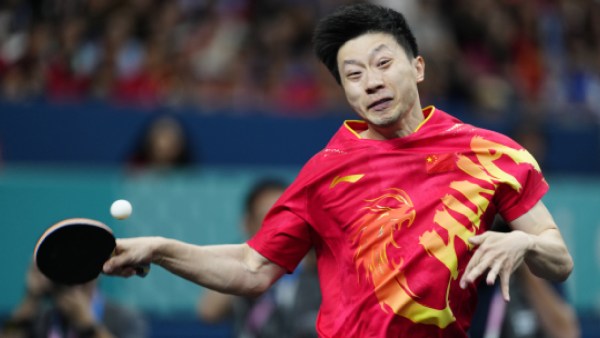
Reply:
x=419 y=65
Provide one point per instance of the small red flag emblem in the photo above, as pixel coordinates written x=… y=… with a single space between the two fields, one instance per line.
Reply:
x=439 y=163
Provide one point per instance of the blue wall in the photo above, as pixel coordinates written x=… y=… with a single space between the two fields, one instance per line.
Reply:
x=94 y=133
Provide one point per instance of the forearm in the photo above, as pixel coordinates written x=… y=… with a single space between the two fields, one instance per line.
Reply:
x=548 y=257
x=226 y=268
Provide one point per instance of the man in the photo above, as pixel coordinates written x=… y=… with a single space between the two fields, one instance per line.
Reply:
x=397 y=206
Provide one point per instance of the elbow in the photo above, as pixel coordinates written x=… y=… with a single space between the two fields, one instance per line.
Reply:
x=557 y=270
x=259 y=287
x=566 y=268
x=563 y=269
x=260 y=273
x=252 y=286
x=254 y=293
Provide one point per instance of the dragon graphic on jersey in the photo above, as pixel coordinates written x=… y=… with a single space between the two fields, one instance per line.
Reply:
x=389 y=213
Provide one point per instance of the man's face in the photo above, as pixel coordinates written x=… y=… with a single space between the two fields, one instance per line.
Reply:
x=379 y=79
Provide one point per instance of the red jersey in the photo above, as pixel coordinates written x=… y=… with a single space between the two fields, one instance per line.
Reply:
x=390 y=222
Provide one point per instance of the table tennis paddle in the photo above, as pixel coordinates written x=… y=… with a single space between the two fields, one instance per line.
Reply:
x=74 y=250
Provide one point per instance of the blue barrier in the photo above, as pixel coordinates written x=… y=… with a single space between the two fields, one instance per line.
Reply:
x=97 y=133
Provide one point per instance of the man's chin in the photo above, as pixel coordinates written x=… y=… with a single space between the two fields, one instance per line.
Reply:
x=383 y=122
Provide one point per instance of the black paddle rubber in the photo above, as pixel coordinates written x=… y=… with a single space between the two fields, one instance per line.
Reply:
x=74 y=251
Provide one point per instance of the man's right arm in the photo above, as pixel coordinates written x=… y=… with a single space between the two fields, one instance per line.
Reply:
x=235 y=269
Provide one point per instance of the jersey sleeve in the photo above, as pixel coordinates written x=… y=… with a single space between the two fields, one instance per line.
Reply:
x=284 y=238
x=515 y=199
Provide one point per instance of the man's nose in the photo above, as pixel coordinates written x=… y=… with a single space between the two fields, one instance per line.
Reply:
x=374 y=82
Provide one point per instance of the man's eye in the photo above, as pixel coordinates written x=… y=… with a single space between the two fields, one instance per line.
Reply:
x=384 y=62
x=353 y=75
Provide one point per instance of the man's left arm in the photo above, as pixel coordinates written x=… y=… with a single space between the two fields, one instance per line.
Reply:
x=535 y=239
x=548 y=256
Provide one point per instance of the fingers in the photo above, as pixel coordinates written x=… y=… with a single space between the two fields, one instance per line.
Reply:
x=113 y=264
x=476 y=267
x=108 y=267
x=473 y=270
x=472 y=273
x=118 y=265
x=477 y=240
x=498 y=254
x=483 y=259
x=504 y=285
x=493 y=273
x=128 y=255
x=118 y=269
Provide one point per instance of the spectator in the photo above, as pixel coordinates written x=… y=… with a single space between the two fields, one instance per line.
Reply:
x=164 y=144
x=292 y=304
x=80 y=311
x=254 y=55
x=67 y=78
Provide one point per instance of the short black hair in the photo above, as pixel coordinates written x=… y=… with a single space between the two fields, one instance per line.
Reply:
x=351 y=21
x=261 y=186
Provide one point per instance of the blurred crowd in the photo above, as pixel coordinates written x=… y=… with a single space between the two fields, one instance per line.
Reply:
x=499 y=58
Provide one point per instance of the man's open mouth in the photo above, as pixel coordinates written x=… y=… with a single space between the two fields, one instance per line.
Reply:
x=380 y=104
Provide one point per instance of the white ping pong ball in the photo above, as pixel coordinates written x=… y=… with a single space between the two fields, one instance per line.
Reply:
x=121 y=209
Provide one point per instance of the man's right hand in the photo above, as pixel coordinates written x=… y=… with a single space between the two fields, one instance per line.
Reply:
x=129 y=253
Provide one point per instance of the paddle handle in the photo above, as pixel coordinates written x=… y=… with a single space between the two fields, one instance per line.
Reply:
x=142 y=270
